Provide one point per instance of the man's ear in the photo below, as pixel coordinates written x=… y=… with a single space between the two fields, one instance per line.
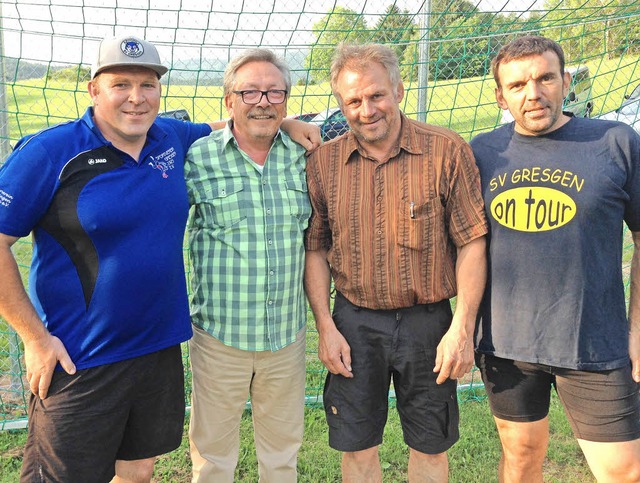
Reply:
x=92 y=88
x=400 y=92
x=228 y=103
x=500 y=99
x=566 y=84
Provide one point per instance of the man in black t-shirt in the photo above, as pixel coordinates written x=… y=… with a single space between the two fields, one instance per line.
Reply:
x=557 y=191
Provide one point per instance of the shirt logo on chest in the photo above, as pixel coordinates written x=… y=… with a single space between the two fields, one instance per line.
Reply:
x=164 y=161
x=527 y=199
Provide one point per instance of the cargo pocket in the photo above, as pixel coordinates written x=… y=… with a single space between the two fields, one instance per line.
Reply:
x=220 y=202
x=298 y=195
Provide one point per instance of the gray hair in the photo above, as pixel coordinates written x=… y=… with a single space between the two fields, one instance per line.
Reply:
x=523 y=47
x=254 y=55
x=359 y=57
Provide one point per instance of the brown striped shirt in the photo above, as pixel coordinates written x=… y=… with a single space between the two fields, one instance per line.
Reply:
x=392 y=228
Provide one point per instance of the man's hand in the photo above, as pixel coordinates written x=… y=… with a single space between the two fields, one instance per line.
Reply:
x=454 y=355
x=305 y=134
x=41 y=357
x=634 y=308
x=42 y=351
x=334 y=351
x=634 y=353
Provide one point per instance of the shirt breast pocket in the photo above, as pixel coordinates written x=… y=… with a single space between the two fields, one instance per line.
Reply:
x=298 y=196
x=417 y=223
x=220 y=203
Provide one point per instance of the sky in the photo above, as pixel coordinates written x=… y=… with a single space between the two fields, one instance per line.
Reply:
x=68 y=31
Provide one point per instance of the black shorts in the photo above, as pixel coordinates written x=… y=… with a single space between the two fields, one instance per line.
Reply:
x=602 y=406
x=128 y=410
x=391 y=344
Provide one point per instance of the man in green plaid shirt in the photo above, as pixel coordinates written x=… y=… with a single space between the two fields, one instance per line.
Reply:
x=247 y=186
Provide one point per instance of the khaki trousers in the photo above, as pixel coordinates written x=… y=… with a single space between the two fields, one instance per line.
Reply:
x=223 y=377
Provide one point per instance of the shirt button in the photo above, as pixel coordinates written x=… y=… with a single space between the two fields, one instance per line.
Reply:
x=270 y=302
x=270 y=241
x=268 y=211
x=379 y=232
x=271 y=272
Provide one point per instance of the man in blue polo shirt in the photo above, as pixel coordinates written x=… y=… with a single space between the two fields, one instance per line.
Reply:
x=106 y=201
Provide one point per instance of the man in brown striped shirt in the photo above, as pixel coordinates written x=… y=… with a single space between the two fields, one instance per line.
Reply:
x=398 y=223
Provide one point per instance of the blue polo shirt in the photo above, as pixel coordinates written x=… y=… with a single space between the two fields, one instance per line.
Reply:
x=107 y=275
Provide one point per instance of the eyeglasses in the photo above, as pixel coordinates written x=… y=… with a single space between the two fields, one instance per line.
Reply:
x=254 y=96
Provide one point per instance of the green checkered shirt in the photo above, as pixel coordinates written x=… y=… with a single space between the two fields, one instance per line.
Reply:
x=246 y=241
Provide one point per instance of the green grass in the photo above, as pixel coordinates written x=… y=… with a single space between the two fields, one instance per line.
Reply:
x=473 y=459
x=467 y=106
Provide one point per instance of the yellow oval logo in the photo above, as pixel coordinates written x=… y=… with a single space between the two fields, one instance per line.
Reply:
x=533 y=209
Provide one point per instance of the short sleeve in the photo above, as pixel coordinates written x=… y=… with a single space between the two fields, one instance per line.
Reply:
x=28 y=181
x=632 y=185
x=465 y=206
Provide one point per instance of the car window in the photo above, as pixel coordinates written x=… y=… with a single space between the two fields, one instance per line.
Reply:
x=631 y=109
x=581 y=76
x=336 y=116
x=581 y=81
x=324 y=115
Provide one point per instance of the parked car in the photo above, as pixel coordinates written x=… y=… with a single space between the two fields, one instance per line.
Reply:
x=180 y=114
x=332 y=122
x=628 y=112
x=305 y=117
x=578 y=101
x=630 y=98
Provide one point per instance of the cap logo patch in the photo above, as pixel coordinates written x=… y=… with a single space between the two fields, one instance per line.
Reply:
x=131 y=48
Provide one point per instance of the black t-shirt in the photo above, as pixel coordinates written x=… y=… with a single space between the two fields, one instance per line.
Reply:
x=556 y=206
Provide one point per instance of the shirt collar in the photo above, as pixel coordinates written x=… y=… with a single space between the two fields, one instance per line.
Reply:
x=408 y=141
x=87 y=118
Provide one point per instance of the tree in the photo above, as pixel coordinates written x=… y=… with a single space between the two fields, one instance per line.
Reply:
x=590 y=28
x=339 y=25
x=395 y=28
x=73 y=74
x=467 y=43
x=442 y=14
